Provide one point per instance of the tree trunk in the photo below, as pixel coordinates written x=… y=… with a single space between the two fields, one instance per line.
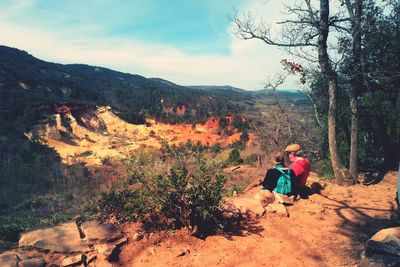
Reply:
x=356 y=86
x=340 y=172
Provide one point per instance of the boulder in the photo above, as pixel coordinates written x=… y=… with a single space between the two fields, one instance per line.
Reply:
x=382 y=234
x=277 y=209
x=9 y=259
x=100 y=232
x=33 y=262
x=265 y=197
x=64 y=238
x=249 y=207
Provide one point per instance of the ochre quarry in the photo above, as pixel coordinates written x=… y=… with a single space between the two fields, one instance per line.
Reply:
x=90 y=133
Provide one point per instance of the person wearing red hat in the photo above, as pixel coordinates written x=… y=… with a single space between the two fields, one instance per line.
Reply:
x=300 y=165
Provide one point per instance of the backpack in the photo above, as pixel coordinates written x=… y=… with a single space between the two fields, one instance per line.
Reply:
x=284 y=183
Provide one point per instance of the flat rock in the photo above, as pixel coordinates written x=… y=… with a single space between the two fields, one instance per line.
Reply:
x=382 y=234
x=34 y=262
x=73 y=260
x=9 y=259
x=277 y=209
x=265 y=197
x=282 y=199
x=247 y=206
x=64 y=238
x=100 y=232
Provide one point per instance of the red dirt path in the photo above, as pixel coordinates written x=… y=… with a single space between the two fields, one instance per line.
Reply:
x=326 y=230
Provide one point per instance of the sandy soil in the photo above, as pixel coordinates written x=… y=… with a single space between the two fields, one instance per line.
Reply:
x=329 y=229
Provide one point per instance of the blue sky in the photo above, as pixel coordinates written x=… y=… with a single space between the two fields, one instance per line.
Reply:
x=184 y=41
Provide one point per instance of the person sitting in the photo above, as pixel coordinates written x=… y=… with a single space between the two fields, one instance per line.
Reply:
x=280 y=178
x=300 y=166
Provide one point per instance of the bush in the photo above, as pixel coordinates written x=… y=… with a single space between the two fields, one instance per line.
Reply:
x=234 y=157
x=251 y=160
x=178 y=198
x=216 y=148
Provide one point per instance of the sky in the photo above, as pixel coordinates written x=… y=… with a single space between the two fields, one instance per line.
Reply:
x=188 y=42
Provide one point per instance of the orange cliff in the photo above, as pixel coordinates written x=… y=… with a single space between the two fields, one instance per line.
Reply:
x=93 y=133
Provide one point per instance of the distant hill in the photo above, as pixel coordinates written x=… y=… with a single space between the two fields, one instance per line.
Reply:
x=27 y=82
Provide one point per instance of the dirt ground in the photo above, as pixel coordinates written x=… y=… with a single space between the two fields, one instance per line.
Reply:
x=329 y=229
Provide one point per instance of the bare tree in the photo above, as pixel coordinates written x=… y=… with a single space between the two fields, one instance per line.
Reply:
x=305 y=35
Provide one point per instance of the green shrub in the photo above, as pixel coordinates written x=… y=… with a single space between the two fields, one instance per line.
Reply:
x=216 y=148
x=177 y=198
x=234 y=157
x=251 y=160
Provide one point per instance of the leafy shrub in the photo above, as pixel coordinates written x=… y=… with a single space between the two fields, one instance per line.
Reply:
x=251 y=160
x=216 y=148
x=188 y=195
x=234 y=157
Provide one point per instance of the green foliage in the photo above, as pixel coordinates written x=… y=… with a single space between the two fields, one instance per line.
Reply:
x=216 y=148
x=239 y=123
x=178 y=198
x=244 y=137
x=222 y=123
x=234 y=157
x=251 y=160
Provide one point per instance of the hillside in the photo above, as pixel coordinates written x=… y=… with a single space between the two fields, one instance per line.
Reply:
x=27 y=82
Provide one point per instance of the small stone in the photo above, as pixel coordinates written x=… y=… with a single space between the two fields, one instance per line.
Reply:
x=137 y=236
x=105 y=251
x=277 y=209
x=121 y=242
x=183 y=253
x=73 y=260
x=152 y=251
x=9 y=259
x=34 y=262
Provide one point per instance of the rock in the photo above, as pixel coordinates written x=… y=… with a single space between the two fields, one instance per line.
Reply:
x=277 y=209
x=373 y=247
x=249 y=207
x=64 y=238
x=183 y=253
x=265 y=197
x=137 y=236
x=106 y=251
x=9 y=259
x=380 y=261
x=34 y=262
x=152 y=251
x=100 y=232
x=282 y=199
x=382 y=234
x=73 y=260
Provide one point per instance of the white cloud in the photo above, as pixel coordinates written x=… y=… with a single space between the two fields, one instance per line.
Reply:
x=249 y=64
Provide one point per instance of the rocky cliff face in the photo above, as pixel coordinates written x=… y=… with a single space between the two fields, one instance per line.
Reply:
x=69 y=122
